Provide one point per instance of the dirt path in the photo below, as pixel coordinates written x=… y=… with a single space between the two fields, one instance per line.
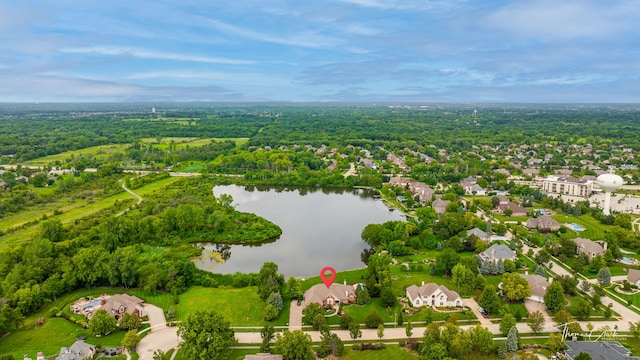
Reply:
x=132 y=193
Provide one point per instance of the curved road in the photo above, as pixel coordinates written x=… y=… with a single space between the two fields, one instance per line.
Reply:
x=132 y=193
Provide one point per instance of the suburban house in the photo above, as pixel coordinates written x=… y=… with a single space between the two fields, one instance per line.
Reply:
x=119 y=304
x=610 y=350
x=477 y=232
x=332 y=295
x=543 y=224
x=498 y=252
x=633 y=277
x=417 y=188
x=440 y=206
x=432 y=294
x=79 y=350
x=589 y=247
x=475 y=189
x=516 y=210
x=538 y=285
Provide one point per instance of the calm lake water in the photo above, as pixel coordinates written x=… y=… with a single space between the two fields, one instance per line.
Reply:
x=320 y=227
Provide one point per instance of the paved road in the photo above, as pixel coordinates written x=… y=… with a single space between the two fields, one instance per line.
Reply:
x=164 y=339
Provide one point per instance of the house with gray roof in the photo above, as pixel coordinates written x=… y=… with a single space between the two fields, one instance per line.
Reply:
x=432 y=294
x=543 y=224
x=538 y=285
x=477 y=232
x=79 y=350
x=589 y=247
x=633 y=276
x=610 y=350
x=440 y=206
x=333 y=295
x=498 y=252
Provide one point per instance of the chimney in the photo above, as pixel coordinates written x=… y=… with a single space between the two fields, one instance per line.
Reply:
x=102 y=301
x=422 y=282
x=604 y=245
x=526 y=272
x=345 y=281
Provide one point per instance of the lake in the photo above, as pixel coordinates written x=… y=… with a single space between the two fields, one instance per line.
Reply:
x=320 y=227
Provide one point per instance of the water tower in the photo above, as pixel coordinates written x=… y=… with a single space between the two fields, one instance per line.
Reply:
x=608 y=183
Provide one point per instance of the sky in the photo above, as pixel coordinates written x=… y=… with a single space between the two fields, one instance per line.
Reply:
x=493 y=51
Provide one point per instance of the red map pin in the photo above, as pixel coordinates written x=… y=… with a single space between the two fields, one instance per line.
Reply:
x=327 y=280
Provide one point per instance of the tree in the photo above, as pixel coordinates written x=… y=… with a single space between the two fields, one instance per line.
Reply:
x=489 y=300
x=509 y=265
x=345 y=320
x=583 y=356
x=354 y=330
x=267 y=334
x=387 y=297
x=482 y=339
x=512 y=339
x=102 y=323
x=409 y=329
x=583 y=309
x=295 y=287
x=294 y=345
x=268 y=280
x=130 y=321
x=130 y=339
x=270 y=312
x=604 y=276
x=362 y=295
x=400 y=318
x=536 y=321
x=462 y=276
x=562 y=317
x=380 y=331
x=447 y=259
x=275 y=299
x=554 y=297
x=515 y=287
x=373 y=319
x=206 y=335
x=435 y=351
x=508 y=322
x=330 y=343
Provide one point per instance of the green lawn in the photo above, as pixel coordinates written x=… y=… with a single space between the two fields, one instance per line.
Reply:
x=49 y=338
x=241 y=307
x=392 y=352
x=101 y=151
x=594 y=229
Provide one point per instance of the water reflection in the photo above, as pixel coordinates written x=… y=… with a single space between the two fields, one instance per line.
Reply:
x=320 y=227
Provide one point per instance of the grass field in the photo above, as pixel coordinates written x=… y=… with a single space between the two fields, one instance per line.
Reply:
x=72 y=210
x=392 y=352
x=99 y=152
x=183 y=142
x=594 y=229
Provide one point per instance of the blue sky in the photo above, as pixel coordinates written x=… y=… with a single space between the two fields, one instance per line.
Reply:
x=326 y=50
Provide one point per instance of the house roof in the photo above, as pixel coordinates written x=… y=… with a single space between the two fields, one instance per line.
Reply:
x=79 y=350
x=610 y=350
x=498 y=251
x=537 y=283
x=319 y=293
x=426 y=290
x=515 y=208
x=128 y=301
x=633 y=276
x=478 y=233
x=588 y=246
x=542 y=222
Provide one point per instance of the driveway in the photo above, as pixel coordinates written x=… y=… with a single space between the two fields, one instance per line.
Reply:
x=164 y=339
x=295 y=315
x=157 y=320
x=473 y=305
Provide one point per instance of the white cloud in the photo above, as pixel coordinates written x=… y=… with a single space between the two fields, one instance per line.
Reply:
x=224 y=77
x=150 y=54
x=304 y=38
x=404 y=4
x=559 y=20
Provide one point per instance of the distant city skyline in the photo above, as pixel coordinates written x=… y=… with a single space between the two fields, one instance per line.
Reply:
x=574 y=51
